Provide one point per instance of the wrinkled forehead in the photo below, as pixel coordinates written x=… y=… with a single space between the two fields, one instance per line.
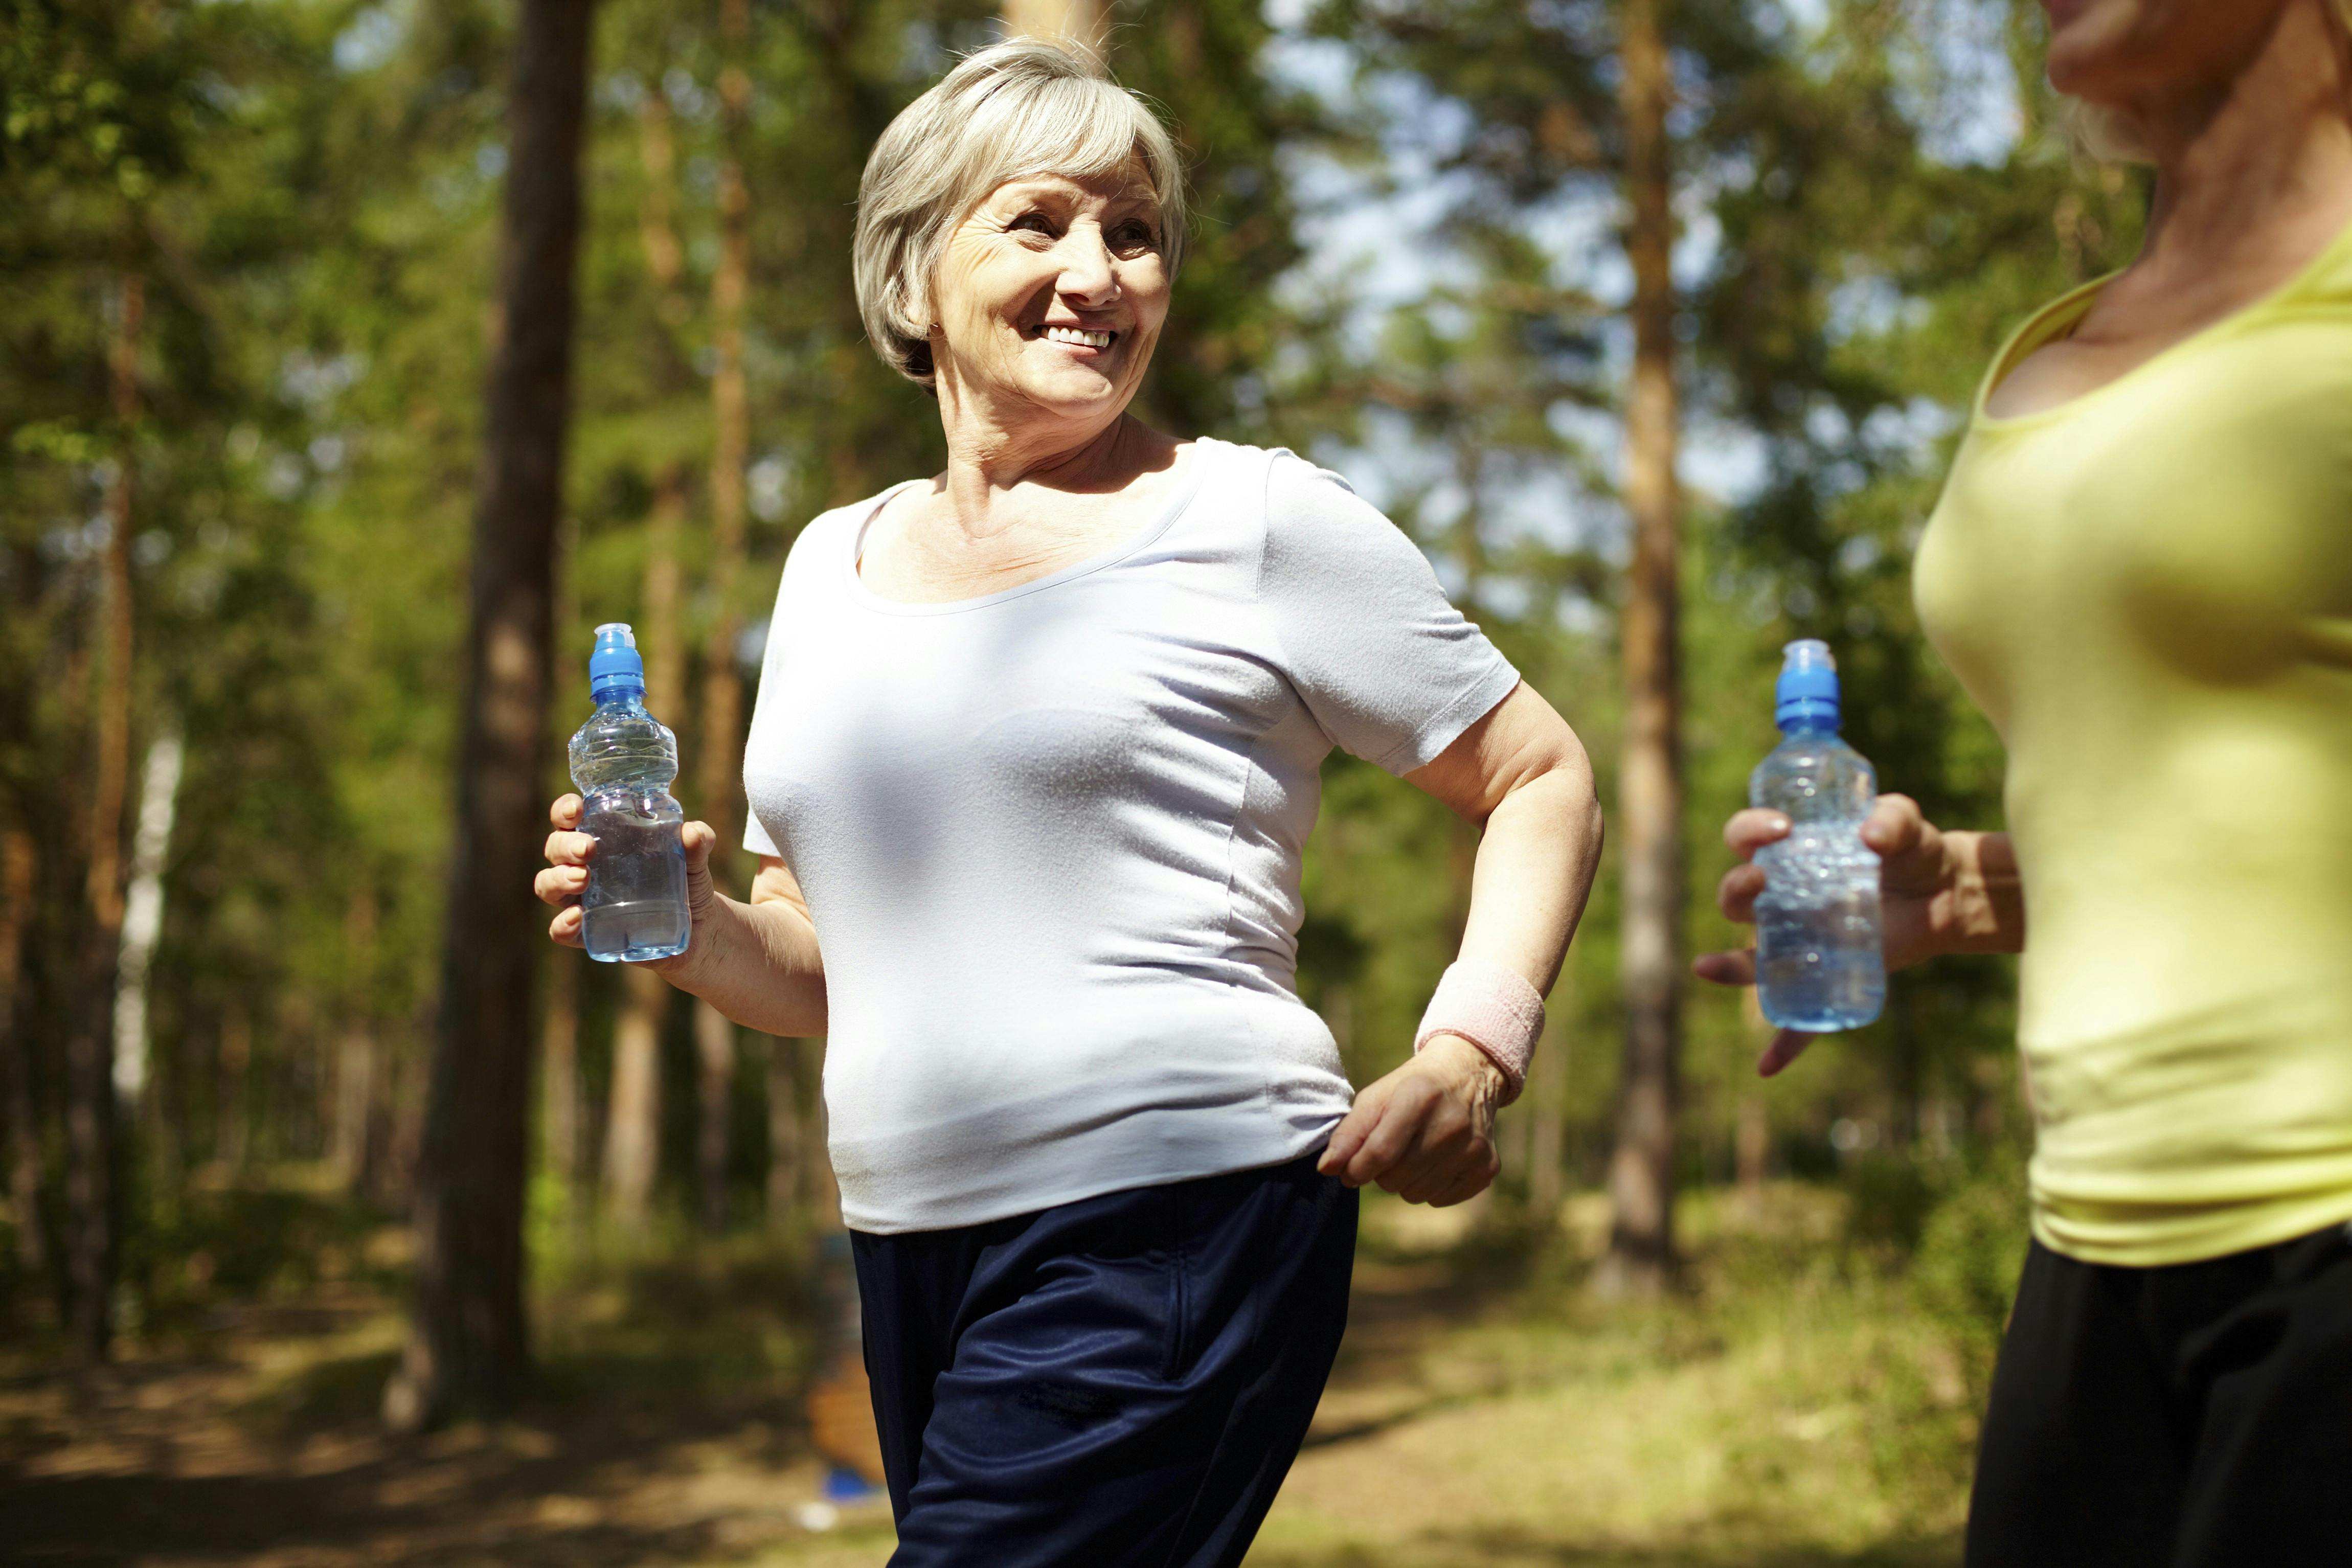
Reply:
x=1126 y=188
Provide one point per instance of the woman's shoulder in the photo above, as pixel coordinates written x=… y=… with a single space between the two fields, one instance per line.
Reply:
x=1317 y=527
x=1295 y=490
x=832 y=535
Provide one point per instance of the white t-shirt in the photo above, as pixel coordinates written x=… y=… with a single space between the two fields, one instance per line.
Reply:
x=1050 y=836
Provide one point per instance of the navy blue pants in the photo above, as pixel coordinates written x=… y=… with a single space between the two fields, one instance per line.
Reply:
x=1123 y=1380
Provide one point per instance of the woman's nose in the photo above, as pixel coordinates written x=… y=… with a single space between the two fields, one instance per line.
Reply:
x=1088 y=272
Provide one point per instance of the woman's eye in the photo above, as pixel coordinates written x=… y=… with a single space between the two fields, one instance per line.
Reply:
x=1134 y=237
x=1034 y=222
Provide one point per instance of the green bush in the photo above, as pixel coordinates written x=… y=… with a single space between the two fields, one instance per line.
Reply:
x=1964 y=1271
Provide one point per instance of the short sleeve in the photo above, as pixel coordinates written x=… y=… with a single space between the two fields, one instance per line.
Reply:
x=821 y=533
x=1390 y=670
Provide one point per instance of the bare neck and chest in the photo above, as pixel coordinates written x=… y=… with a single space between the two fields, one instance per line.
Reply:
x=981 y=528
x=2246 y=201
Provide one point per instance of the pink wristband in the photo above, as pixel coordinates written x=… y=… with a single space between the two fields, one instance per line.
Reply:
x=1495 y=1009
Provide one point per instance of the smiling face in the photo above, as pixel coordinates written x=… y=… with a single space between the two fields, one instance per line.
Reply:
x=2122 y=53
x=1051 y=295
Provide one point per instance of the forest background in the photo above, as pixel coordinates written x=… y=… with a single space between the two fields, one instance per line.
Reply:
x=250 y=302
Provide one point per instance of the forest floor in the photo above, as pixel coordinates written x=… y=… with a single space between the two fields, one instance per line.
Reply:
x=1788 y=1411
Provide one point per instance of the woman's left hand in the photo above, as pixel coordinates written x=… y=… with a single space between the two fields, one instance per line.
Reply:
x=1425 y=1132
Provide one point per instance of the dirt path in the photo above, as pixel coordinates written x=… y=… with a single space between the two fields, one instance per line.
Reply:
x=1448 y=1438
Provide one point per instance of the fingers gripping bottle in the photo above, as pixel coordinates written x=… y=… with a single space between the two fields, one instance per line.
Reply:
x=1819 y=963
x=623 y=760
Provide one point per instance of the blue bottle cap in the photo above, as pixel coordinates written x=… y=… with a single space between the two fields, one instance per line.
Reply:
x=1807 y=695
x=615 y=663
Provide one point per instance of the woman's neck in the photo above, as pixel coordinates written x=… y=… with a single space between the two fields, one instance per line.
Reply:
x=2238 y=156
x=991 y=449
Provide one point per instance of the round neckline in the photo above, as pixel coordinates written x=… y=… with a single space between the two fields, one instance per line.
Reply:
x=1188 y=484
x=2063 y=314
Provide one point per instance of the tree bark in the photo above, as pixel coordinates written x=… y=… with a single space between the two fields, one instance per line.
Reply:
x=1547 y=1076
x=722 y=684
x=16 y=855
x=633 y=1118
x=468 y=1344
x=1641 y=1258
x=633 y=1111
x=232 y=1057
x=559 y=1087
x=355 y=1063
x=784 y=1130
x=142 y=916
x=91 y=1120
x=1085 y=22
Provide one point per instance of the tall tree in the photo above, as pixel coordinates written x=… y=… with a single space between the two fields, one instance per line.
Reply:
x=722 y=690
x=1650 y=787
x=91 y=1211
x=355 y=1063
x=468 y=1343
x=633 y=1120
x=17 y=1059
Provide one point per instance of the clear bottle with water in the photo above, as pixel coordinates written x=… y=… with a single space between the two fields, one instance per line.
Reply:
x=623 y=760
x=1819 y=963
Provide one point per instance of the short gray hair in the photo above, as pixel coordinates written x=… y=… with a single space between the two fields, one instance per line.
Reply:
x=1012 y=110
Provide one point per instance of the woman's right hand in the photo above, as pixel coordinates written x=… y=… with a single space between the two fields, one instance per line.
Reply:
x=566 y=876
x=1938 y=893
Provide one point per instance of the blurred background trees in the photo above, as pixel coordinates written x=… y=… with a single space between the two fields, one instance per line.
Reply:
x=1495 y=262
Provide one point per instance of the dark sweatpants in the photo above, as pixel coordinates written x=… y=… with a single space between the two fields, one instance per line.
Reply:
x=2198 y=1416
x=1123 y=1380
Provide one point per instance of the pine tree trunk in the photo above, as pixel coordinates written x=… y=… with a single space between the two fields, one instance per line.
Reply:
x=714 y=1050
x=468 y=1344
x=142 y=916
x=559 y=1087
x=633 y=1116
x=355 y=1064
x=1547 y=1078
x=1085 y=22
x=16 y=855
x=232 y=1056
x=722 y=690
x=633 y=1111
x=784 y=1130
x=90 y=1122
x=1641 y=1258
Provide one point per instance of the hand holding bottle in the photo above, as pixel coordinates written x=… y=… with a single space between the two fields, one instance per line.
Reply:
x=1938 y=893
x=633 y=902
x=566 y=880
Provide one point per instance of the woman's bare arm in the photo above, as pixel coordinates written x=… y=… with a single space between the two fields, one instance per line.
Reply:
x=1521 y=775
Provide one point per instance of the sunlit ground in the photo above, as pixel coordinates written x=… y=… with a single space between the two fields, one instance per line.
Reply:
x=1798 y=1408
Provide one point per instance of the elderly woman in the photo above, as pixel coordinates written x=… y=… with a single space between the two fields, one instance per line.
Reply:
x=1033 y=761
x=2141 y=568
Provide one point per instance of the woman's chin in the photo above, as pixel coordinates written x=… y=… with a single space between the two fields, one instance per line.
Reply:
x=1074 y=392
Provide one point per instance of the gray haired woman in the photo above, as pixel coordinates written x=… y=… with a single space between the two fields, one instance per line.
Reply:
x=1033 y=761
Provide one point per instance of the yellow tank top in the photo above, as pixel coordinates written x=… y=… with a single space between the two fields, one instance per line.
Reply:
x=2149 y=590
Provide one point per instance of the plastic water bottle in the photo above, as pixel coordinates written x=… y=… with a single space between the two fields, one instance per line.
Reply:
x=1819 y=964
x=623 y=760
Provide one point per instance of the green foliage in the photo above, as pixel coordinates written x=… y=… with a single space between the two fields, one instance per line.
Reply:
x=1964 y=1271
x=308 y=193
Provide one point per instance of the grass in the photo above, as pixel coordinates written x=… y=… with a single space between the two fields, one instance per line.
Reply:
x=1808 y=1400
x=1797 y=1407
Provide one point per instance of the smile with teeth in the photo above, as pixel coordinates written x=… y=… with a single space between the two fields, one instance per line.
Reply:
x=1078 y=337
